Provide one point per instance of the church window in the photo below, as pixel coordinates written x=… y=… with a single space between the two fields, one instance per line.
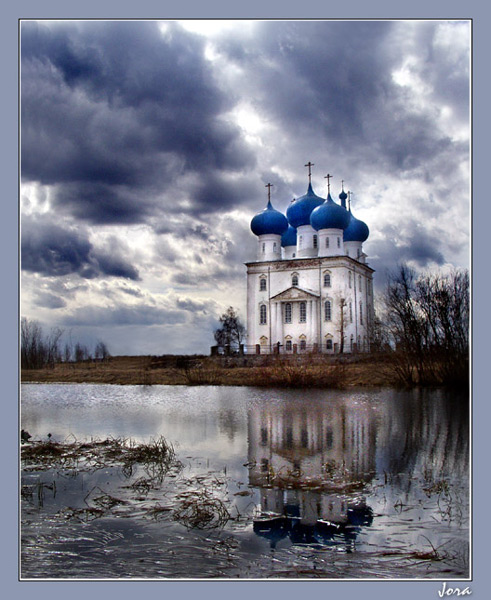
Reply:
x=339 y=242
x=263 y=315
x=327 y=242
x=274 y=246
x=361 y=313
x=303 y=345
x=349 y=279
x=300 y=241
x=264 y=247
x=262 y=284
x=327 y=280
x=295 y=279
x=288 y=312
x=303 y=312
x=314 y=241
x=327 y=310
x=359 y=282
x=358 y=253
x=329 y=344
x=288 y=345
x=264 y=436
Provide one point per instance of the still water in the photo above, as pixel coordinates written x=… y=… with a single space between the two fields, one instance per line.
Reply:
x=328 y=484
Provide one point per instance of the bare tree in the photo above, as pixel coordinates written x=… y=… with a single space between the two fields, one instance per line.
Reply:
x=232 y=331
x=428 y=319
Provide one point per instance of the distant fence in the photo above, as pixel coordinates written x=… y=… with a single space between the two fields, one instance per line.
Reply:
x=258 y=349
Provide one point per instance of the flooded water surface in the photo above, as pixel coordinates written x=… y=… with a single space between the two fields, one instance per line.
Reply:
x=260 y=484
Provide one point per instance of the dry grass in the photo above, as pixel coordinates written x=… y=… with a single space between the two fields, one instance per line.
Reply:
x=264 y=371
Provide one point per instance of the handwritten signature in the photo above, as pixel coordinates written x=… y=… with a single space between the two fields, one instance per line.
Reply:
x=453 y=591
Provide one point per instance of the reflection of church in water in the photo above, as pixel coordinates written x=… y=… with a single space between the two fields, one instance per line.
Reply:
x=311 y=466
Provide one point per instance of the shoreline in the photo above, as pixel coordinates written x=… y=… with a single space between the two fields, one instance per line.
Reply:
x=305 y=371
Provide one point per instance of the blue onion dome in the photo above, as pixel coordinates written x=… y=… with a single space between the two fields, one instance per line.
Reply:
x=329 y=216
x=342 y=196
x=269 y=221
x=357 y=231
x=289 y=238
x=299 y=212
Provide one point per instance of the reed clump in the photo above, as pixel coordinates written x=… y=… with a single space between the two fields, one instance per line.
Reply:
x=200 y=510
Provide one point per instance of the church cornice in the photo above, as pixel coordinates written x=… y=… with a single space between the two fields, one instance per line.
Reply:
x=295 y=293
x=305 y=263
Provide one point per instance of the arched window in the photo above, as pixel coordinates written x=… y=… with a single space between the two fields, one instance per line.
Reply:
x=361 y=313
x=349 y=279
x=351 y=312
x=327 y=280
x=274 y=246
x=300 y=241
x=339 y=242
x=358 y=253
x=294 y=279
x=264 y=247
x=262 y=284
x=329 y=344
x=288 y=312
x=303 y=312
x=288 y=345
x=327 y=310
x=303 y=345
x=314 y=241
x=263 y=315
x=327 y=242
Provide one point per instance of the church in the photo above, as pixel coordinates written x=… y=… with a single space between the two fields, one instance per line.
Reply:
x=310 y=288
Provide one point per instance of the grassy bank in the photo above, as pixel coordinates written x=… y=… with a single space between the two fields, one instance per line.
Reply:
x=301 y=371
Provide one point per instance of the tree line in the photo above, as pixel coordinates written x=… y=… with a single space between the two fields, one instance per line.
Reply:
x=39 y=349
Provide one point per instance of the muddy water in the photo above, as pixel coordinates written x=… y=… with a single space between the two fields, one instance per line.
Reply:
x=339 y=485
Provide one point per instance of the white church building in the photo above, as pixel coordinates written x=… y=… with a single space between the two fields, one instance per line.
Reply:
x=310 y=288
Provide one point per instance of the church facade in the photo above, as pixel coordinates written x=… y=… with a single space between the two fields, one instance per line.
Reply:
x=310 y=288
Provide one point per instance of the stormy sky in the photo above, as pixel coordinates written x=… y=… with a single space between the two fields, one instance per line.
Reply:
x=146 y=146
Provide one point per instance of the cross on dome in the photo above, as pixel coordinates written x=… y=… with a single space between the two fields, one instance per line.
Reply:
x=309 y=165
x=328 y=177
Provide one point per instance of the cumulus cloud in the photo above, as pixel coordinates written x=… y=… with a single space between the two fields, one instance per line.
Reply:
x=145 y=151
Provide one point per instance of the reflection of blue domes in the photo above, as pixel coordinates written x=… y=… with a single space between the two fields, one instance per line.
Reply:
x=269 y=221
x=298 y=212
x=357 y=231
x=329 y=216
x=289 y=238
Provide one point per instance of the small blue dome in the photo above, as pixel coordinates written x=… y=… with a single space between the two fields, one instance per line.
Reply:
x=289 y=238
x=299 y=212
x=357 y=231
x=269 y=221
x=329 y=216
x=342 y=196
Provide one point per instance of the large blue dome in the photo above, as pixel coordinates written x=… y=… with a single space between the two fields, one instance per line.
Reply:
x=299 y=212
x=329 y=216
x=289 y=238
x=357 y=231
x=269 y=221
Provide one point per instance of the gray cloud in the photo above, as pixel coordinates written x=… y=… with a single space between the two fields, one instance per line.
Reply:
x=55 y=251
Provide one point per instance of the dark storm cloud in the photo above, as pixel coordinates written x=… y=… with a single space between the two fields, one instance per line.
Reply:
x=115 y=109
x=48 y=300
x=330 y=83
x=125 y=315
x=53 y=251
x=411 y=244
